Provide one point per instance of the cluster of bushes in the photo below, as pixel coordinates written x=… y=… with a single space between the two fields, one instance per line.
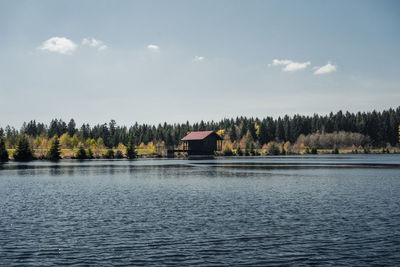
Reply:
x=333 y=140
x=24 y=152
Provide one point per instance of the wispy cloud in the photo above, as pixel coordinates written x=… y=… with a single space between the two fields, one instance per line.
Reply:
x=290 y=65
x=98 y=44
x=153 y=47
x=198 y=58
x=325 y=69
x=60 y=45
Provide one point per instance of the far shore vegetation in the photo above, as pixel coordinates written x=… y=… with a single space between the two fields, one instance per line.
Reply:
x=371 y=132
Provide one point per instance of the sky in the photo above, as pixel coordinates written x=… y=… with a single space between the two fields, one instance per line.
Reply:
x=178 y=61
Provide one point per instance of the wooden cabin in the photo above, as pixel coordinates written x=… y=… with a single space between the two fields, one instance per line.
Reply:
x=202 y=143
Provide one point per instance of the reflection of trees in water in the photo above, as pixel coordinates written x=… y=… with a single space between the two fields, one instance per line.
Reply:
x=71 y=171
x=55 y=170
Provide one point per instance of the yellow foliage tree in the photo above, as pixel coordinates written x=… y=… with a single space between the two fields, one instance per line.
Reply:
x=287 y=147
x=65 y=141
x=74 y=141
x=100 y=143
x=93 y=143
x=151 y=147
x=221 y=132
x=257 y=127
x=121 y=147
x=37 y=142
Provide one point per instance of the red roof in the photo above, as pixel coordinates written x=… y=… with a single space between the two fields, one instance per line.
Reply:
x=197 y=135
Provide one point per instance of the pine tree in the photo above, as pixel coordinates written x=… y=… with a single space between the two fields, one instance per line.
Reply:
x=239 y=151
x=119 y=155
x=280 y=132
x=3 y=151
x=81 y=154
x=54 y=152
x=130 y=149
x=109 y=154
x=232 y=134
x=71 y=127
x=23 y=151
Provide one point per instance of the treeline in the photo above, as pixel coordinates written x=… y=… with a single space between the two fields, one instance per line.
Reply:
x=380 y=128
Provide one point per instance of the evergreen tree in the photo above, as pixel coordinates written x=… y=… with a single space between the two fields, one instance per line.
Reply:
x=232 y=134
x=335 y=150
x=23 y=151
x=109 y=154
x=263 y=133
x=119 y=155
x=71 y=127
x=130 y=149
x=280 y=132
x=314 y=150
x=81 y=154
x=239 y=152
x=3 y=151
x=54 y=152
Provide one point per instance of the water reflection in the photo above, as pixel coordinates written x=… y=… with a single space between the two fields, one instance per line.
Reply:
x=211 y=167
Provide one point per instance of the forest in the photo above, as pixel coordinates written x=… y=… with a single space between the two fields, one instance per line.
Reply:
x=341 y=129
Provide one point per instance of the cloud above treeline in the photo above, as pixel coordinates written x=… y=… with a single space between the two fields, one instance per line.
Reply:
x=65 y=46
x=60 y=45
x=98 y=44
x=198 y=58
x=153 y=48
x=328 y=68
x=291 y=66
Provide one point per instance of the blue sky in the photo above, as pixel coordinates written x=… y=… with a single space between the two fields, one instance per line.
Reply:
x=156 y=61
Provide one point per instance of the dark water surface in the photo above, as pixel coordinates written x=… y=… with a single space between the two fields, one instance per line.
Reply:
x=329 y=210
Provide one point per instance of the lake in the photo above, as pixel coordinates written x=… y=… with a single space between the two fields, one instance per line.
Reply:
x=293 y=210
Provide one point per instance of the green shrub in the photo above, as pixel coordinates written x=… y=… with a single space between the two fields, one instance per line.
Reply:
x=3 y=151
x=81 y=154
x=90 y=154
x=227 y=152
x=119 y=155
x=314 y=150
x=109 y=154
x=239 y=152
x=273 y=149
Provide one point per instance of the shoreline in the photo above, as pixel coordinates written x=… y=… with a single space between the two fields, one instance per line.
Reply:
x=178 y=155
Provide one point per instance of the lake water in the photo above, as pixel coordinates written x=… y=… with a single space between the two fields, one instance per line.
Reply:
x=328 y=210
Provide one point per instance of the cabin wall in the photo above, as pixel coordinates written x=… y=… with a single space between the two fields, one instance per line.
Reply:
x=206 y=146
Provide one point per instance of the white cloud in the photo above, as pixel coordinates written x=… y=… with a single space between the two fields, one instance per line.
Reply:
x=198 y=58
x=60 y=45
x=325 y=69
x=153 y=47
x=98 y=44
x=290 y=65
x=277 y=62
